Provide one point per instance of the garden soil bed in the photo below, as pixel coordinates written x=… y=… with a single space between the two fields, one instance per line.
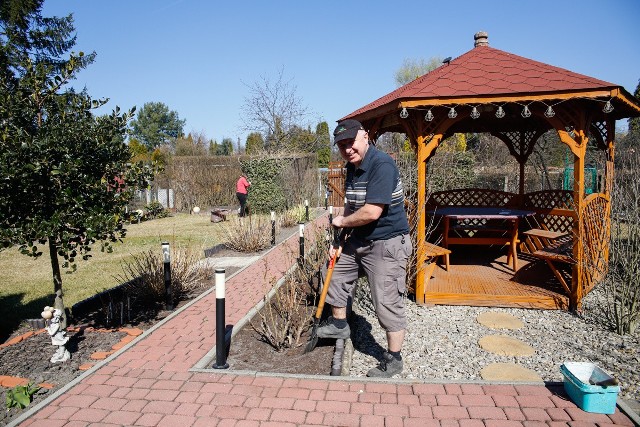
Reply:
x=249 y=352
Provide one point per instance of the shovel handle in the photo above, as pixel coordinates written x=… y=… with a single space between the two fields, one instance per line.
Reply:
x=327 y=280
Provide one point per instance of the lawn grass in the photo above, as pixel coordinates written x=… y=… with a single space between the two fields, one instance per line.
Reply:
x=27 y=284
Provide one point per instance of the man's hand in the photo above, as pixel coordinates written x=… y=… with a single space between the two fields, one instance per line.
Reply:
x=337 y=221
x=332 y=251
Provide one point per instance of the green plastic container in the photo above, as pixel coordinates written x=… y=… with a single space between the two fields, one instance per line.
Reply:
x=580 y=383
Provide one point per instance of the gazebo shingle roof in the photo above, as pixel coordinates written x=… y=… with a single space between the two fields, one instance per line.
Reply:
x=486 y=71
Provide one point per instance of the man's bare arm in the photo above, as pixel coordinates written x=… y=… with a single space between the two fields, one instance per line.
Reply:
x=366 y=214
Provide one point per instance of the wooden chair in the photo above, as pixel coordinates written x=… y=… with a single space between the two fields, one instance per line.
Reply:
x=555 y=257
x=433 y=252
x=437 y=251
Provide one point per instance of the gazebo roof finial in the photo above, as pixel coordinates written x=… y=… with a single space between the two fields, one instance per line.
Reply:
x=481 y=38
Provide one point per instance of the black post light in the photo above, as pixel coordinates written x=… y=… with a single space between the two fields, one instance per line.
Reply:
x=166 y=257
x=221 y=353
x=306 y=210
x=301 y=234
x=273 y=228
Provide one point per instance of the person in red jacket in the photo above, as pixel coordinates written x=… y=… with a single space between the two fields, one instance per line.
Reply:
x=242 y=189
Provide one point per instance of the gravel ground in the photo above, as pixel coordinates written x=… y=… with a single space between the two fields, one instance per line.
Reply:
x=442 y=342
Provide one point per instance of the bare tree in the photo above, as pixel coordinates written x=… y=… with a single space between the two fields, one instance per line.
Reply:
x=411 y=69
x=274 y=109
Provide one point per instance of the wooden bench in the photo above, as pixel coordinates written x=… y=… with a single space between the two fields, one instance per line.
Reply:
x=432 y=252
x=539 y=238
x=555 y=256
x=437 y=251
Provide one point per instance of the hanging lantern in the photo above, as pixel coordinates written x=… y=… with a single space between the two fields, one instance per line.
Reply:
x=549 y=113
x=475 y=113
x=608 y=107
x=429 y=116
x=404 y=113
x=452 y=113
x=500 y=112
x=526 y=112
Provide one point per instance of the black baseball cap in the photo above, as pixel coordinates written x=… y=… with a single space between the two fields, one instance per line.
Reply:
x=346 y=129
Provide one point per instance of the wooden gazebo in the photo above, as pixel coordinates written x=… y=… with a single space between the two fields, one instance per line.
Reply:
x=517 y=100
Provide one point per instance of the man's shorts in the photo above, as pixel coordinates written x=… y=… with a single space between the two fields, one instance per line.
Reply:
x=384 y=262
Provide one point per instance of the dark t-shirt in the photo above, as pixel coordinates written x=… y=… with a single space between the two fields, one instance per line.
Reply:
x=377 y=180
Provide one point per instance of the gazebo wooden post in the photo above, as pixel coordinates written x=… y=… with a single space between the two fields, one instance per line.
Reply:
x=424 y=153
x=421 y=228
x=575 y=299
x=578 y=146
x=609 y=172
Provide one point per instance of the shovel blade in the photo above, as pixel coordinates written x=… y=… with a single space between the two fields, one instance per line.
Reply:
x=313 y=340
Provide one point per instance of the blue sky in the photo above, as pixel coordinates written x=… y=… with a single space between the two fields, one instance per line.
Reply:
x=198 y=57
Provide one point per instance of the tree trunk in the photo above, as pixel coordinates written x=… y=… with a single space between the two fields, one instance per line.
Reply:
x=57 y=282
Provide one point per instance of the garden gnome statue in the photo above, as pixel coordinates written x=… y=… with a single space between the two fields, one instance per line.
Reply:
x=58 y=334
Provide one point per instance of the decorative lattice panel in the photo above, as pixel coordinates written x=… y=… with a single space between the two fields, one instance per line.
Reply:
x=520 y=142
x=549 y=199
x=556 y=210
x=599 y=132
x=595 y=231
x=472 y=197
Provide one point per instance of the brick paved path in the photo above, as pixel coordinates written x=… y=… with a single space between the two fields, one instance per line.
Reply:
x=151 y=382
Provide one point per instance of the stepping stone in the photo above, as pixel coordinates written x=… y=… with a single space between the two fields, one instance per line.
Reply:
x=497 y=320
x=505 y=346
x=508 y=372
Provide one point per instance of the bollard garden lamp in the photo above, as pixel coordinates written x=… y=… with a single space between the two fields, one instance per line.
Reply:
x=166 y=258
x=306 y=210
x=301 y=234
x=221 y=353
x=273 y=228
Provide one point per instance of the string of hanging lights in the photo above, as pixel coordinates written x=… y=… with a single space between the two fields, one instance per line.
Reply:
x=500 y=113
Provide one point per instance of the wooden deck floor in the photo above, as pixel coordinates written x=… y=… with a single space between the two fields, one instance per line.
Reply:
x=480 y=276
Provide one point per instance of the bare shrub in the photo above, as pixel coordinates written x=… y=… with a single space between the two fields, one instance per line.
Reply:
x=621 y=285
x=286 y=315
x=291 y=217
x=450 y=168
x=249 y=234
x=145 y=275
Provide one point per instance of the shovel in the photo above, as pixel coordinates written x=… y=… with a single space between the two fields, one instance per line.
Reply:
x=313 y=340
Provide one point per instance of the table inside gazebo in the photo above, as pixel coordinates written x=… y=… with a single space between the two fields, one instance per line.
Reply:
x=476 y=225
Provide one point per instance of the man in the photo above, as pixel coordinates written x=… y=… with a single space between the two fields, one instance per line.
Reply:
x=379 y=244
